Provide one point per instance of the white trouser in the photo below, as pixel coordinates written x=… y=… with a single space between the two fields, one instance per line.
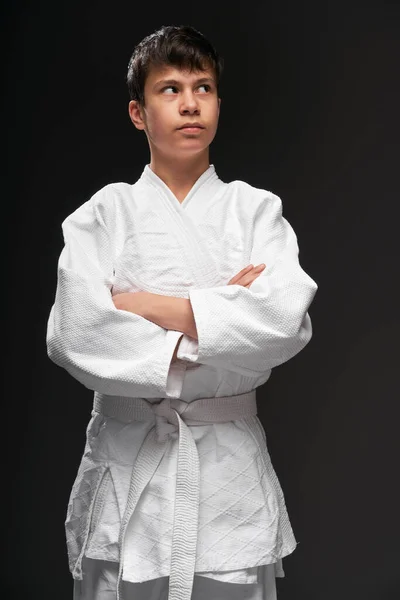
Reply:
x=100 y=583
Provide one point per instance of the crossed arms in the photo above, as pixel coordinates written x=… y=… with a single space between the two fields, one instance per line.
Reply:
x=166 y=311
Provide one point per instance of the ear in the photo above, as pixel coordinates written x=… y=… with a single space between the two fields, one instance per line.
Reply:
x=136 y=115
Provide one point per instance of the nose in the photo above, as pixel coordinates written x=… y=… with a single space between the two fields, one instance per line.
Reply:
x=189 y=103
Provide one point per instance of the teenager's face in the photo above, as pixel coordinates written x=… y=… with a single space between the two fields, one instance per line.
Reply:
x=171 y=104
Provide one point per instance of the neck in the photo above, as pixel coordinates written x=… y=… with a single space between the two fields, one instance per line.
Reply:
x=180 y=175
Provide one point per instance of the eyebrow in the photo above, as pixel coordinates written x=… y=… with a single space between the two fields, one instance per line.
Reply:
x=175 y=82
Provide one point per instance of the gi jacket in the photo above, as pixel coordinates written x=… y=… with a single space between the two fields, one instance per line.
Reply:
x=129 y=238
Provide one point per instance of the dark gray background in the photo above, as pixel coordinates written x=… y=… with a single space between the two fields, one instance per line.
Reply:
x=310 y=97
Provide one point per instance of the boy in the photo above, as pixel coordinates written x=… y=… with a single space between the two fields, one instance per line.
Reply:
x=176 y=478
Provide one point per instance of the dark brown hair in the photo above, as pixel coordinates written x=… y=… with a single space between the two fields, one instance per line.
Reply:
x=179 y=46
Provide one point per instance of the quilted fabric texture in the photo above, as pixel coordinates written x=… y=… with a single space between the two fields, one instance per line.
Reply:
x=128 y=238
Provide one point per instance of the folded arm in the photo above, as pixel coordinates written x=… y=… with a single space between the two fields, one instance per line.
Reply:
x=108 y=350
x=166 y=311
x=250 y=331
x=169 y=312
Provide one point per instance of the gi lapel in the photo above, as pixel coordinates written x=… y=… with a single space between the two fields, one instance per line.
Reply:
x=183 y=216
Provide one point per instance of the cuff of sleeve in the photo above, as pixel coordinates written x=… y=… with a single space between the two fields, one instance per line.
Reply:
x=176 y=372
x=188 y=349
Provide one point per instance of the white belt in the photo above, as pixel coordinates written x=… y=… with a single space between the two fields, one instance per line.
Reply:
x=170 y=414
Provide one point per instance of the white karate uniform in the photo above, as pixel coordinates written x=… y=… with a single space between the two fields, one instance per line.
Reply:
x=222 y=513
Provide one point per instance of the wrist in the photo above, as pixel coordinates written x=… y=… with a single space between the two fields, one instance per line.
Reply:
x=171 y=313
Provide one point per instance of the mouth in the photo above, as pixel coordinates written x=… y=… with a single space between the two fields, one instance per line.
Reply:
x=191 y=129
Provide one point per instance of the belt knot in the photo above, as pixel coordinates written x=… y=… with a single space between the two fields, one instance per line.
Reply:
x=166 y=414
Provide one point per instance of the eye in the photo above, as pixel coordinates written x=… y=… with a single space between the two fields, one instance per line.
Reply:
x=172 y=87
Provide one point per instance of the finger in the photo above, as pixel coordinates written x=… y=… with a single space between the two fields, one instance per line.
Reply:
x=250 y=277
x=240 y=274
x=246 y=270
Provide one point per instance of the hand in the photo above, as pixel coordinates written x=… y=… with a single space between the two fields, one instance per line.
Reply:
x=247 y=275
x=134 y=302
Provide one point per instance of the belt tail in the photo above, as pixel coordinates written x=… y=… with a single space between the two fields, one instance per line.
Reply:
x=149 y=457
x=186 y=517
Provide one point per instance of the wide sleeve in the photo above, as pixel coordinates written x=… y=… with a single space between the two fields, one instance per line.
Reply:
x=108 y=350
x=250 y=331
